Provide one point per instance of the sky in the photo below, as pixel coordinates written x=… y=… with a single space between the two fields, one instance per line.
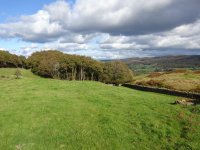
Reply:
x=104 y=29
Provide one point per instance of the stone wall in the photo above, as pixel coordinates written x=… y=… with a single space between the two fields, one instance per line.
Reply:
x=163 y=91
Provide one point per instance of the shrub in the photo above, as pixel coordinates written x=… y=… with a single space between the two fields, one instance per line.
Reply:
x=2 y=76
x=116 y=73
x=17 y=73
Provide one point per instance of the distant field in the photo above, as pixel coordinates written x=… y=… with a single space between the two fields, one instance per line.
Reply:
x=140 y=69
x=46 y=114
x=164 y=63
x=182 y=80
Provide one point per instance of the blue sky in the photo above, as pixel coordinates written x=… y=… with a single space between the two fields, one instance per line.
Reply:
x=14 y=8
x=11 y=9
x=101 y=29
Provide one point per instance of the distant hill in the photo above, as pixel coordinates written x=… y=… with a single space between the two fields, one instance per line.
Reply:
x=150 y=64
x=168 y=61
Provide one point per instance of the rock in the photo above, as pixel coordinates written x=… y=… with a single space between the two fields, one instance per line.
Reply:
x=185 y=102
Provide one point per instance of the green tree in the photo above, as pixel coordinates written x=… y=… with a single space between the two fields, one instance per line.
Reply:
x=116 y=73
x=8 y=60
x=17 y=73
x=54 y=64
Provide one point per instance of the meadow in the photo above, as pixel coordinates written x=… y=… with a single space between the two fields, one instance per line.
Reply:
x=46 y=114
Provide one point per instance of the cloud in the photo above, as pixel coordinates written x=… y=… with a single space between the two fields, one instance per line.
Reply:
x=77 y=38
x=65 y=47
x=181 y=37
x=40 y=27
x=123 y=46
x=132 y=17
x=71 y=46
x=3 y=49
x=174 y=42
x=128 y=17
x=34 y=28
x=112 y=29
x=27 y=50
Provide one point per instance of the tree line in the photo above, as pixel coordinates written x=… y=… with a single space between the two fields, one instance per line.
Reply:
x=8 y=60
x=57 y=65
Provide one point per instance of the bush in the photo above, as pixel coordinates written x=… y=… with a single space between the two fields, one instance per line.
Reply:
x=17 y=73
x=2 y=76
x=116 y=73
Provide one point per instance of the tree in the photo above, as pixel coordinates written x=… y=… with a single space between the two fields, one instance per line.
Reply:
x=45 y=63
x=116 y=73
x=8 y=60
x=54 y=64
x=17 y=73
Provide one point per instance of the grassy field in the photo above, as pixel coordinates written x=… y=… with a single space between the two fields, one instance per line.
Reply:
x=182 y=80
x=45 y=114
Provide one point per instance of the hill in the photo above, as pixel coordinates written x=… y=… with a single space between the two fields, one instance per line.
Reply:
x=38 y=113
x=165 y=63
x=181 y=80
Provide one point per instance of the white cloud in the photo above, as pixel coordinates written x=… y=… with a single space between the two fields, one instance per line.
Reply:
x=36 y=27
x=77 y=38
x=3 y=49
x=128 y=17
x=105 y=27
x=181 y=37
x=123 y=46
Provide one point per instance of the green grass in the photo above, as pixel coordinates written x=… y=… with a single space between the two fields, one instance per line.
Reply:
x=45 y=114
